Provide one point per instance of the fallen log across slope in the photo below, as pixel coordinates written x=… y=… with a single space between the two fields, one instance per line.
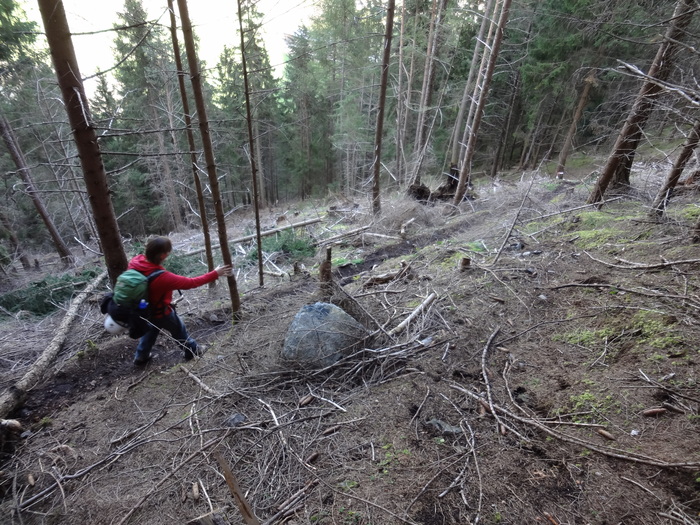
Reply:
x=14 y=396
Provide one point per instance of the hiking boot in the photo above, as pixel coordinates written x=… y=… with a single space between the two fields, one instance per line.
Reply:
x=190 y=353
x=141 y=360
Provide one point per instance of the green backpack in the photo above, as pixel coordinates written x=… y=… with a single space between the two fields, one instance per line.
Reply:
x=132 y=287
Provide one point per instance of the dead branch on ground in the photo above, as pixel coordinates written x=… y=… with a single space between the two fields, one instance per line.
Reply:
x=606 y=451
x=350 y=233
x=15 y=395
x=631 y=265
x=262 y=234
x=403 y=324
x=693 y=301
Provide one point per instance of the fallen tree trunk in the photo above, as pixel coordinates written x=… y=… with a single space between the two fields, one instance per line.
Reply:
x=16 y=394
x=402 y=326
x=342 y=235
x=262 y=234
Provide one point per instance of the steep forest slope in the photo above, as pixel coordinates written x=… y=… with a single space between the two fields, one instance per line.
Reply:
x=551 y=377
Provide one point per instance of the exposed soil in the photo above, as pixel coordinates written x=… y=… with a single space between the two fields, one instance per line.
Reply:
x=553 y=380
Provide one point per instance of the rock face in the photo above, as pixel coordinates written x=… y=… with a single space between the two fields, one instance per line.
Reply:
x=320 y=335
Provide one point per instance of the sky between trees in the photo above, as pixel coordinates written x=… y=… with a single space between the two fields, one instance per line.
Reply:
x=215 y=23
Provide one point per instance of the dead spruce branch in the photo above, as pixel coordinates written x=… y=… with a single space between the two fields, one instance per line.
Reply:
x=607 y=451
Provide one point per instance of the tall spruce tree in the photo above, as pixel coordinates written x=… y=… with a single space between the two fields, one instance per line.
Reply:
x=230 y=101
x=145 y=190
x=307 y=122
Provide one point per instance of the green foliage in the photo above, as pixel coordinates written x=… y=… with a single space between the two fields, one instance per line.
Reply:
x=292 y=246
x=476 y=246
x=657 y=331
x=595 y=228
x=16 y=34
x=184 y=265
x=42 y=297
x=348 y=484
x=340 y=261
x=587 y=401
x=690 y=212
x=585 y=337
x=5 y=258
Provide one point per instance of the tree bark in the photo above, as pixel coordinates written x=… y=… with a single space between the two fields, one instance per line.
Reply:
x=400 y=106
x=190 y=140
x=664 y=195
x=208 y=150
x=419 y=148
x=619 y=163
x=71 y=84
x=376 y=202
x=258 y=186
x=498 y=157
x=407 y=102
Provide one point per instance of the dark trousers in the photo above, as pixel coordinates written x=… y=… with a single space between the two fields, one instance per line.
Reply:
x=173 y=324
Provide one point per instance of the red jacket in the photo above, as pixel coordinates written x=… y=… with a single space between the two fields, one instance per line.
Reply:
x=160 y=290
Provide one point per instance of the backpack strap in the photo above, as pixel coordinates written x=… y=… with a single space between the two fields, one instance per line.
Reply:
x=158 y=307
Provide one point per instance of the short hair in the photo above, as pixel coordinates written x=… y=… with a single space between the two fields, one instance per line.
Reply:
x=156 y=247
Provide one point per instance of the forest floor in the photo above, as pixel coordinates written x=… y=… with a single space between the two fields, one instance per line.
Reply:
x=554 y=379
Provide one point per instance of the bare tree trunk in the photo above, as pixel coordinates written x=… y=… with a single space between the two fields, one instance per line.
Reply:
x=376 y=163
x=305 y=143
x=457 y=134
x=62 y=181
x=400 y=106
x=190 y=140
x=208 y=150
x=465 y=172
x=258 y=188
x=263 y=196
x=589 y=82
x=528 y=152
x=14 y=241
x=619 y=163
x=661 y=201
x=408 y=101
x=164 y=168
x=427 y=72
x=15 y=151
x=71 y=84
x=498 y=158
x=421 y=141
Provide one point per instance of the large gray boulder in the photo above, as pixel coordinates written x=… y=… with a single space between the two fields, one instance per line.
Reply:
x=320 y=335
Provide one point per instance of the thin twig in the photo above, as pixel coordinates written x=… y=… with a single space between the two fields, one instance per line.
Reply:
x=201 y=383
x=607 y=451
x=401 y=326
x=638 y=266
x=154 y=488
x=641 y=487
x=512 y=224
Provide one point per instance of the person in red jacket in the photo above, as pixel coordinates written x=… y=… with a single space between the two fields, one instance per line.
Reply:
x=160 y=296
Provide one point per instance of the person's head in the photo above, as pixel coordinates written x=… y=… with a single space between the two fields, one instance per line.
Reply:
x=157 y=249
